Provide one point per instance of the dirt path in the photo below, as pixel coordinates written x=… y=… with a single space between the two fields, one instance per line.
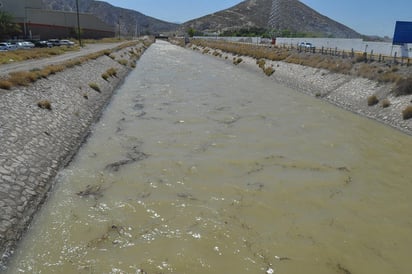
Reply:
x=31 y=64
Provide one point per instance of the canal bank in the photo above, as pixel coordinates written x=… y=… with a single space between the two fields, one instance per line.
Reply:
x=41 y=128
x=345 y=91
x=199 y=166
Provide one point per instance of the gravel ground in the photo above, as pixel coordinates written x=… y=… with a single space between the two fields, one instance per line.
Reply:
x=36 y=143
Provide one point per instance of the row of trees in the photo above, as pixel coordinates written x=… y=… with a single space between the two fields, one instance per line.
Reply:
x=7 y=26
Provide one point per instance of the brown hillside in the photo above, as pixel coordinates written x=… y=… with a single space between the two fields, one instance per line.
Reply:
x=279 y=14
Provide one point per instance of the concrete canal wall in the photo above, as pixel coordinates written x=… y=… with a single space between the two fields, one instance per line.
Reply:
x=41 y=128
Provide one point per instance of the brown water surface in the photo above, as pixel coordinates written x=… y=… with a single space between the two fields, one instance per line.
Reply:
x=198 y=166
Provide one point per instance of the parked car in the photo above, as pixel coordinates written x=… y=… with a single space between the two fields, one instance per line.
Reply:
x=11 y=46
x=4 y=47
x=66 y=43
x=306 y=45
x=55 y=42
x=43 y=44
x=27 y=45
x=18 y=45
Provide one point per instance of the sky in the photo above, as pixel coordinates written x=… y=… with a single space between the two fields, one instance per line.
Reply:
x=369 y=17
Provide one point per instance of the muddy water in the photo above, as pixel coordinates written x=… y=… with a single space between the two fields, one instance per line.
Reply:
x=198 y=166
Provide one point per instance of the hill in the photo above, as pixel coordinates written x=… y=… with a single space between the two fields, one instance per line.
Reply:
x=291 y=15
x=131 y=22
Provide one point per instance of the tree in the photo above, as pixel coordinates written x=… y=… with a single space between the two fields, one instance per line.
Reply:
x=191 y=32
x=7 y=26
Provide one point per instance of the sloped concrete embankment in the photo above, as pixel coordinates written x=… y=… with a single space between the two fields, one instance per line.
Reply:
x=36 y=142
x=345 y=91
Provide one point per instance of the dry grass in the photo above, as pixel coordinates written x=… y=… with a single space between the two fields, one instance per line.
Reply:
x=407 y=113
x=373 y=100
x=95 y=87
x=24 y=78
x=44 y=104
x=261 y=63
x=356 y=67
x=5 y=84
x=268 y=71
x=123 y=62
x=385 y=103
x=37 y=53
x=105 y=76
x=403 y=87
x=112 y=72
x=237 y=61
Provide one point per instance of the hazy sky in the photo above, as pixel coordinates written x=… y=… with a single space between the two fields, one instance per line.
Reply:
x=371 y=17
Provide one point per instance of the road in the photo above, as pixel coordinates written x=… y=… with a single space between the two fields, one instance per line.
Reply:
x=38 y=63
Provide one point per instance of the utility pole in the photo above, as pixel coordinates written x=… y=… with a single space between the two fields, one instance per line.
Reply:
x=78 y=23
x=118 y=22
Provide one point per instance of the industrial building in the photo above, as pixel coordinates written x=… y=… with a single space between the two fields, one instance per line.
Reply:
x=38 y=23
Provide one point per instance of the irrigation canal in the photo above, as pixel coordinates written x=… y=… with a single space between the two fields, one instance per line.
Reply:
x=198 y=166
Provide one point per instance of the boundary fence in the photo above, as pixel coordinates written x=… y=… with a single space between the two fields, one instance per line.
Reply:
x=353 y=53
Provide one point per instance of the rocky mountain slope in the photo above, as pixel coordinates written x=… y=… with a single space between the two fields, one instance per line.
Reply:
x=131 y=22
x=289 y=15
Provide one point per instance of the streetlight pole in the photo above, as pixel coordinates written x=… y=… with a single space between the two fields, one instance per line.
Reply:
x=118 y=22
x=78 y=23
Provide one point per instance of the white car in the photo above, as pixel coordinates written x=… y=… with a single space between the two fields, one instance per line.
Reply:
x=4 y=47
x=306 y=45
x=24 y=45
x=66 y=43
x=28 y=45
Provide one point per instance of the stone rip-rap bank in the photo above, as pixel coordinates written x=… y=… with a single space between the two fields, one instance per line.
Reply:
x=35 y=142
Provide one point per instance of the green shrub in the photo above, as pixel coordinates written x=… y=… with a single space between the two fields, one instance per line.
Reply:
x=44 y=104
x=407 y=113
x=373 y=100
x=95 y=87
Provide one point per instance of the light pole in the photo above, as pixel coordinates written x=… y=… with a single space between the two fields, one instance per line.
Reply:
x=118 y=22
x=78 y=23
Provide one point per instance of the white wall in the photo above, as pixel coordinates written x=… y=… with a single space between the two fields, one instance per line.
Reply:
x=359 y=45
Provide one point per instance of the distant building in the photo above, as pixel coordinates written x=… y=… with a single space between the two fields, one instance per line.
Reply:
x=36 y=22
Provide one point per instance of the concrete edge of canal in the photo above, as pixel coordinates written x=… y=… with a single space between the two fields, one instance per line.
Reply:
x=42 y=126
x=345 y=91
